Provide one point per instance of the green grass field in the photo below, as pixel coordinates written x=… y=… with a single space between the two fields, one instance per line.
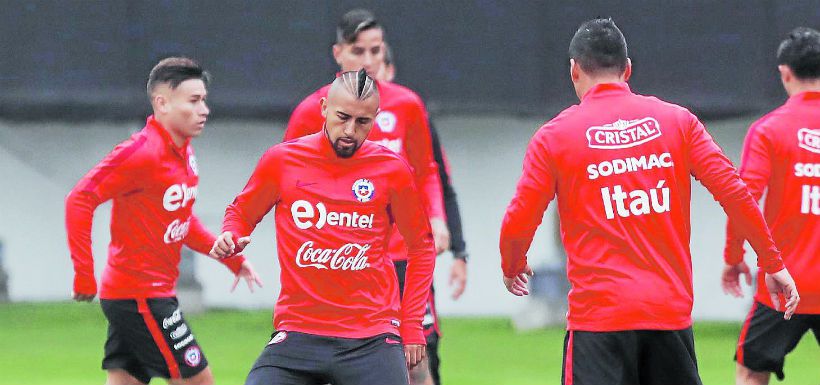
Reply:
x=62 y=344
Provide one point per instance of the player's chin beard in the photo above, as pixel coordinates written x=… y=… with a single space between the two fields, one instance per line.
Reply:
x=344 y=152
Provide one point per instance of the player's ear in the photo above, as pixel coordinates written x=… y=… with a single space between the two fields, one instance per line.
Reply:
x=159 y=102
x=628 y=71
x=323 y=106
x=786 y=74
x=337 y=53
x=574 y=70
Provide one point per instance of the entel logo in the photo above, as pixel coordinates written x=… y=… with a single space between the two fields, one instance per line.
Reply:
x=303 y=213
x=809 y=139
x=178 y=195
x=623 y=133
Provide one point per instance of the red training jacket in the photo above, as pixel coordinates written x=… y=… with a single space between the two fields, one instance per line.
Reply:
x=621 y=166
x=334 y=217
x=154 y=186
x=782 y=156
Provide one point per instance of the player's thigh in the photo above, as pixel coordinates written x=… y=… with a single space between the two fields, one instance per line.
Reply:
x=126 y=337
x=600 y=358
x=180 y=355
x=205 y=377
x=766 y=338
x=668 y=357
x=376 y=360
x=292 y=358
x=433 y=357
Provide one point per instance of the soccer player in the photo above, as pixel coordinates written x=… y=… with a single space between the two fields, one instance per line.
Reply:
x=152 y=179
x=620 y=165
x=336 y=198
x=401 y=124
x=782 y=155
x=428 y=372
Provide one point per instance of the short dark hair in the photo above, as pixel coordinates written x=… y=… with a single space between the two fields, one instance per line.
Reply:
x=800 y=51
x=353 y=23
x=599 y=46
x=175 y=70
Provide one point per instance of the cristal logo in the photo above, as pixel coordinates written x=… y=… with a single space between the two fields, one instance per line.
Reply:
x=304 y=214
x=623 y=133
x=177 y=196
x=177 y=231
x=809 y=139
x=350 y=256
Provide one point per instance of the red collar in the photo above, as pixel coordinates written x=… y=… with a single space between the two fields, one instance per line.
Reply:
x=807 y=96
x=607 y=89
x=157 y=127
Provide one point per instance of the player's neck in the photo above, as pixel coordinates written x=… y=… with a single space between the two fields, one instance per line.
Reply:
x=178 y=139
x=804 y=86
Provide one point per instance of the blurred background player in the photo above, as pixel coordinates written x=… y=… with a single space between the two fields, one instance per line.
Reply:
x=336 y=197
x=458 y=272
x=781 y=155
x=626 y=233
x=152 y=178
x=402 y=125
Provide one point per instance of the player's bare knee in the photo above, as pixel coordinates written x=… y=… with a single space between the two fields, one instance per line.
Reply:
x=121 y=377
x=746 y=376
x=204 y=377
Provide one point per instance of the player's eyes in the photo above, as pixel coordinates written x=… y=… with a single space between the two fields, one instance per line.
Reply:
x=358 y=51
x=363 y=121
x=376 y=50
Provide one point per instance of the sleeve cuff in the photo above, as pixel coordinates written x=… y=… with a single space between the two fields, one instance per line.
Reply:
x=85 y=285
x=412 y=333
x=233 y=263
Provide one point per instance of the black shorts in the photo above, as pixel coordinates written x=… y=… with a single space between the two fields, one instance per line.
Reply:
x=432 y=332
x=293 y=358
x=149 y=338
x=766 y=338
x=646 y=357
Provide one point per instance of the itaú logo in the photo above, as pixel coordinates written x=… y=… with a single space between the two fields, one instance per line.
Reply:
x=350 y=256
x=305 y=217
x=809 y=140
x=623 y=133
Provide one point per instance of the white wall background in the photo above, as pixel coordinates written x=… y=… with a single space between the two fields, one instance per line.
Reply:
x=40 y=162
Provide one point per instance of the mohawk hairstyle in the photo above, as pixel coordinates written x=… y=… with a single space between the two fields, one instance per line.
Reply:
x=353 y=23
x=800 y=51
x=358 y=83
x=175 y=70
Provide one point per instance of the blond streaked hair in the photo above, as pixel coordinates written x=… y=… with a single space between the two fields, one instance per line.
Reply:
x=358 y=83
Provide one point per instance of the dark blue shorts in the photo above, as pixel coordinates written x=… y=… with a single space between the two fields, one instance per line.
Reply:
x=646 y=357
x=293 y=358
x=766 y=338
x=150 y=338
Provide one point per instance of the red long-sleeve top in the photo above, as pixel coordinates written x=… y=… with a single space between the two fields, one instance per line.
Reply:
x=781 y=156
x=153 y=185
x=402 y=126
x=334 y=218
x=620 y=165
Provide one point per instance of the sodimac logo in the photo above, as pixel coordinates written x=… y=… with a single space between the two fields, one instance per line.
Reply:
x=623 y=133
x=809 y=139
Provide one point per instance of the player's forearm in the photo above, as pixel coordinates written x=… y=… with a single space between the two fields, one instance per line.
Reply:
x=420 y=266
x=79 y=208
x=514 y=243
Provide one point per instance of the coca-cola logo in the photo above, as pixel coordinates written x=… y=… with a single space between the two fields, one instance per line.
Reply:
x=809 y=139
x=623 y=133
x=350 y=256
x=177 y=231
